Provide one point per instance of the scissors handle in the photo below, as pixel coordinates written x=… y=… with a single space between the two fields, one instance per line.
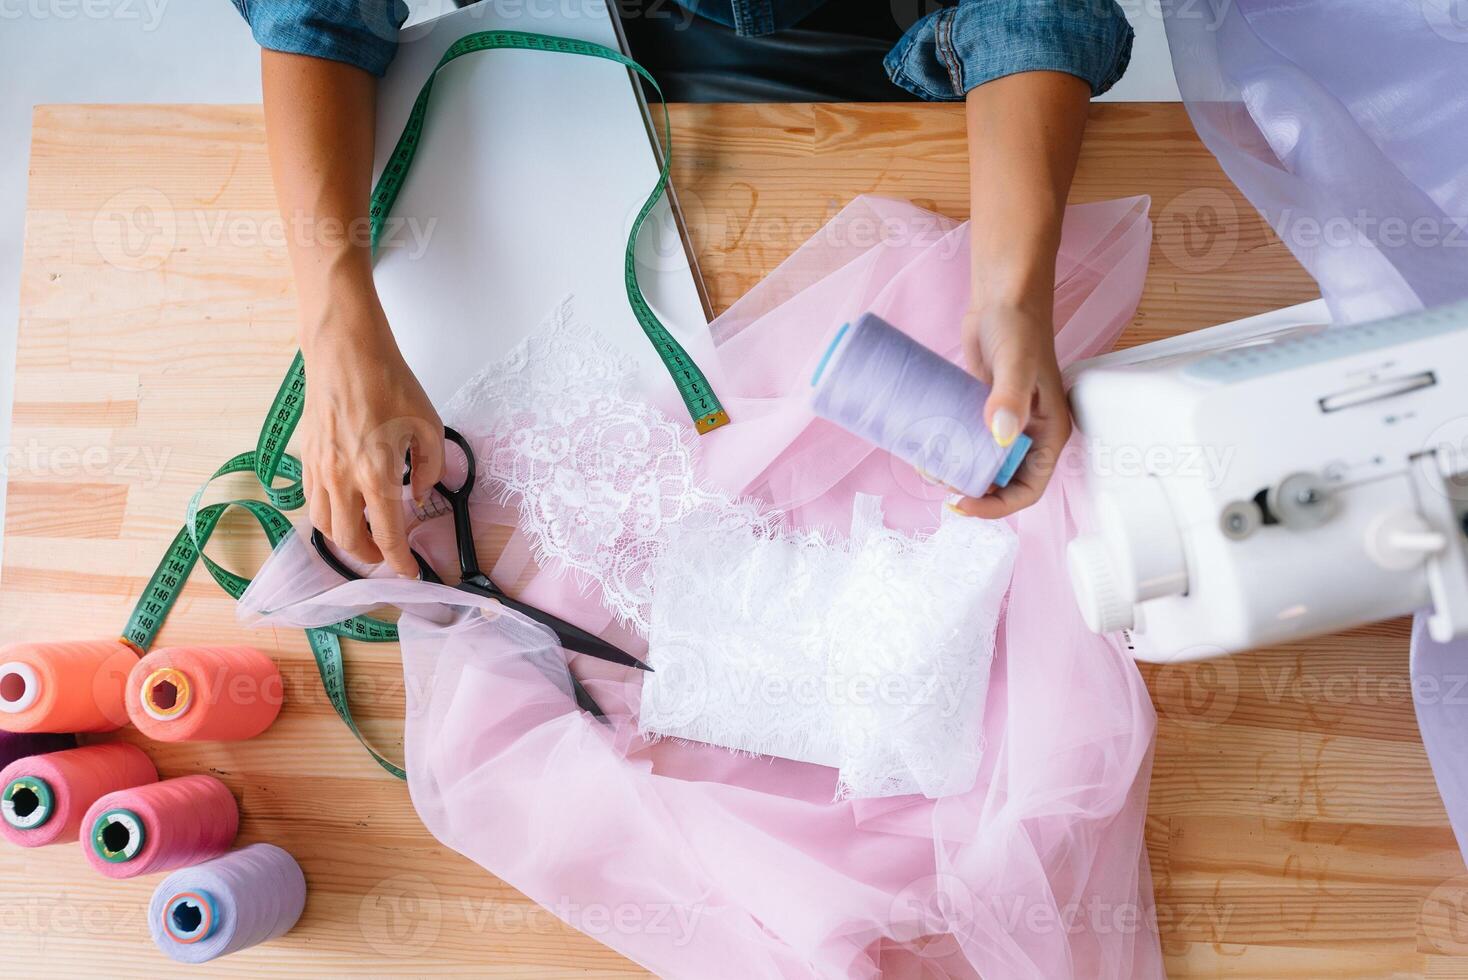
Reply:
x=459 y=503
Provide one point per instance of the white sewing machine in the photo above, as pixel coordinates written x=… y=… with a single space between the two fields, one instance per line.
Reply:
x=1273 y=478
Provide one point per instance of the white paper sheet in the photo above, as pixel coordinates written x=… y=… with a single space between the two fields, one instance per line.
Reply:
x=531 y=169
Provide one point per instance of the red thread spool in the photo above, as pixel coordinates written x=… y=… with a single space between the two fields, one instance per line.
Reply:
x=64 y=687
x=170 y=824
x=198 y=694
x=44 y=797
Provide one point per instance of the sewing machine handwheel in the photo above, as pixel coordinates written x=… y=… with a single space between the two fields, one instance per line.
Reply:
x=1301 y=501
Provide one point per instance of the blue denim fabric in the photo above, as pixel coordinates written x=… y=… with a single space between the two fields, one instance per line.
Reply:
x=359 y=32
x=941 y=56
x=958 y=48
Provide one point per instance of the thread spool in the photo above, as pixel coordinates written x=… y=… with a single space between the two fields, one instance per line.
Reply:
x=44 y=798
x=76 y=686
x=878 y=383
x=18 y=745
x=243 y=899
x=220 y=694
x=159 y=827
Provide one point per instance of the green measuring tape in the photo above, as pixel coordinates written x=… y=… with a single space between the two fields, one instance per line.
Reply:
x=703 y=406
x=270 y=462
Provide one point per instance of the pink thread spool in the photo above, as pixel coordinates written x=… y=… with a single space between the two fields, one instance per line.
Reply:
x=43 y=798
x=159 y=827
x=198 y=694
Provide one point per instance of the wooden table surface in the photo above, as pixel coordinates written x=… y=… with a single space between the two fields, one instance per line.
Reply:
x=1294 y=827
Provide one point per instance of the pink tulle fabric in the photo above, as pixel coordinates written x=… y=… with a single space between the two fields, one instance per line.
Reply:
x=701 y=863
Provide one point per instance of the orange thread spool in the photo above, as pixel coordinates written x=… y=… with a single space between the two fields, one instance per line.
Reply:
x=204 y=694
x=75 y=686
x=45 y=796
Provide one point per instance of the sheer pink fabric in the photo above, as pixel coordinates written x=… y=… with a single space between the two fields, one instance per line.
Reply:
x=700 y=863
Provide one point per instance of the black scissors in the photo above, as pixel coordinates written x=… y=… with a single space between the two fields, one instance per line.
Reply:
x=474 y=581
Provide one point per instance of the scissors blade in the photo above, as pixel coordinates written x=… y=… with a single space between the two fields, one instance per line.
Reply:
x=576 y=639
x=584 y=700
x=571 y=637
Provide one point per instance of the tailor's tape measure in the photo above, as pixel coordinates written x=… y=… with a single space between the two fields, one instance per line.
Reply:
x=270 y=462
x=703 y=405
x=187 y=549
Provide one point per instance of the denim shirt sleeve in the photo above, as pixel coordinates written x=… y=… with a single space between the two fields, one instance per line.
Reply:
x=958 y=48
x=363 y=33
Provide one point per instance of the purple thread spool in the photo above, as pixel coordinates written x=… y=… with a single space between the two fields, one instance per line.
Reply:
x=19 y=745
x=242 y=899
x=878 y=383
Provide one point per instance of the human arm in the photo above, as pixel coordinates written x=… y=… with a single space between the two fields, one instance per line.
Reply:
x=1026 y=70
x=363 y=408
x=1024 y=135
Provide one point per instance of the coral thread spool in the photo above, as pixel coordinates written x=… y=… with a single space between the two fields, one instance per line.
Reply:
x=242 y=899
x=189 y=694
x=159 y=827
x=18 y=745
x=43 y=798
x=75 y=686
x=878 y=383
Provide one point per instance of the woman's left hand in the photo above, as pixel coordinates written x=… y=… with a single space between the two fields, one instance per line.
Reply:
x=1012 y=348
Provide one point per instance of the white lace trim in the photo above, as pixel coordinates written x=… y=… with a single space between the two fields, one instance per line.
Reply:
x=601 y=475
x=870 y=654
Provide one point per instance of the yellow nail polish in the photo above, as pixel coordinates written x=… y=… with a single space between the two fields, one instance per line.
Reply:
x=1005 y=427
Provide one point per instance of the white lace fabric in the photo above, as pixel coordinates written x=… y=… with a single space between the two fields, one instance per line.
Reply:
x=600 y=474
x=869 y=653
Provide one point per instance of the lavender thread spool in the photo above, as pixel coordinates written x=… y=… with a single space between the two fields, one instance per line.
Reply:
x=878 y=383
x=245 y=898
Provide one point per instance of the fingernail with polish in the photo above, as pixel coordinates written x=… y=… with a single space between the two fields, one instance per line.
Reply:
x=1005 y=427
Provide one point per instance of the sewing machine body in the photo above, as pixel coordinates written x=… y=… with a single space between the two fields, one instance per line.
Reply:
x=1275 y=478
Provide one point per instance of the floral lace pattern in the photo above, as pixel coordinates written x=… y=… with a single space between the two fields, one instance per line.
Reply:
x=870 y=654
x=601 y=476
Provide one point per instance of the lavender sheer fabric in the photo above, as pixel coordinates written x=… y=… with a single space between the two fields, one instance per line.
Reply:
x=701 y=863
x=1345 y=122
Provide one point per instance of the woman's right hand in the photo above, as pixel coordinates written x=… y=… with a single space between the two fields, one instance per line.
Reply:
x=364 y=409
x=364 y=412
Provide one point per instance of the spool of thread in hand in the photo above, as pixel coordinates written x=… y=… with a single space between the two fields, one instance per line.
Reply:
x=190 y=694
x=18 y=745
x=878 y=383
x=64 y=687
x=44 y=798
x=243 y=899
x=165 y=825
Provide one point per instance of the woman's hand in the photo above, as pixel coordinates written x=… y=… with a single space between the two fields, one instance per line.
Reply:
x=364 y=409
x=1011 y=347
x=1024 y=139
x=365 y=412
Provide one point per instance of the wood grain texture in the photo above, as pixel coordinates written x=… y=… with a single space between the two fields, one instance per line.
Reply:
x=1294 y=828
